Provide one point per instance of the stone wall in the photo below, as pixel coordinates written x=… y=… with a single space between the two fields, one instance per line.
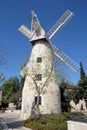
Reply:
x=47 y=86
x=72 y=125
x=80 y=106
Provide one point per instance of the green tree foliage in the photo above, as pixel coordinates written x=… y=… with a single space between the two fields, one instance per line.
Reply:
x=73 y=94
x=66 y=89
x=52 y=122
x=47 y=122
x=82 y=84
x=79 y=91
x=11 y=90
x=82 y=72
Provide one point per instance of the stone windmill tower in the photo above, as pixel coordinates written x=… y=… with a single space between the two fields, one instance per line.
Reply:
x=41 y=87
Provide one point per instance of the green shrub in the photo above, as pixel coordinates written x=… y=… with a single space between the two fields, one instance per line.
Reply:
x=62 y=126
x=50 y=126
x=50 y=122
x=37 y=126
x=77 y=113
x=47 y=122
x=69 y=115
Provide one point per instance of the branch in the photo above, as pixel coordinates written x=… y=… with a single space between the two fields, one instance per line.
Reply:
x=49 y=75
x=36 y=86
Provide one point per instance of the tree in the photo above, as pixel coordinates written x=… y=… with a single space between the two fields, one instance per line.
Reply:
x=67 y=90
x=40 y=87
x=82 y=72
x=11 y=89
x=73 y=94
x=82 y=84
x=79 y=91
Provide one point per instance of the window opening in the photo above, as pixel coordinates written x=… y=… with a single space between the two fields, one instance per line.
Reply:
x=39 y=60
x=39 y=102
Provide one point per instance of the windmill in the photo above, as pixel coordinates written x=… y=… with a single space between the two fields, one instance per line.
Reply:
x=42 y=56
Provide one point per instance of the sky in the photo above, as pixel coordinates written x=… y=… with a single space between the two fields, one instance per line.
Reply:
x=72 y=39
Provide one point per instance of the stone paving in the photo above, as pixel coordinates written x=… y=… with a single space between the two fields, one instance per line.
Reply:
x=13 y=120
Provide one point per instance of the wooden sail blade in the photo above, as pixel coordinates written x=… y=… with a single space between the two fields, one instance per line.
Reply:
x=65 y=59
x=24 y=30
x=60 y=23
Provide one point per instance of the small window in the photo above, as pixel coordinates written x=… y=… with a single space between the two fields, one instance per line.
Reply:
x=39 y=60
x=38 y=33
x=39 y=77
x=38 y=101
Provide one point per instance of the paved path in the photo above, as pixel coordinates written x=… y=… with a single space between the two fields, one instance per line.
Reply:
x=13 y=120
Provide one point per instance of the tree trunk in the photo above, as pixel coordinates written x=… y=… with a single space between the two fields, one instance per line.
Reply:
x=37 y=109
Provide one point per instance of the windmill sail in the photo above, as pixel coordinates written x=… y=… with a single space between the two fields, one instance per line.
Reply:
x=43 y=50
x=23 y=29
x=36 y=27
x=65 y=59
x=60 y=23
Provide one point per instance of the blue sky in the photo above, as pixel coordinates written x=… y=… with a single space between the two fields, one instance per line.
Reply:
x=71 y=39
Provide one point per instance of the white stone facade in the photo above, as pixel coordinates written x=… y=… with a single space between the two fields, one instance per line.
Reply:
x=72 y=125
x=80 y=106
x=50 y=95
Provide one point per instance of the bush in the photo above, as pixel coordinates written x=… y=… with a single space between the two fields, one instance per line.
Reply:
x=77 y=113
x=50 y=126
x=50 y=122
x=70 y=115
x=36 y=126
x=78 y=116
x=47 y=122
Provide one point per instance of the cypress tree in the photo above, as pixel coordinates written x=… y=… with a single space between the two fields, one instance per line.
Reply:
x=82 y=85
x=82 y=72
